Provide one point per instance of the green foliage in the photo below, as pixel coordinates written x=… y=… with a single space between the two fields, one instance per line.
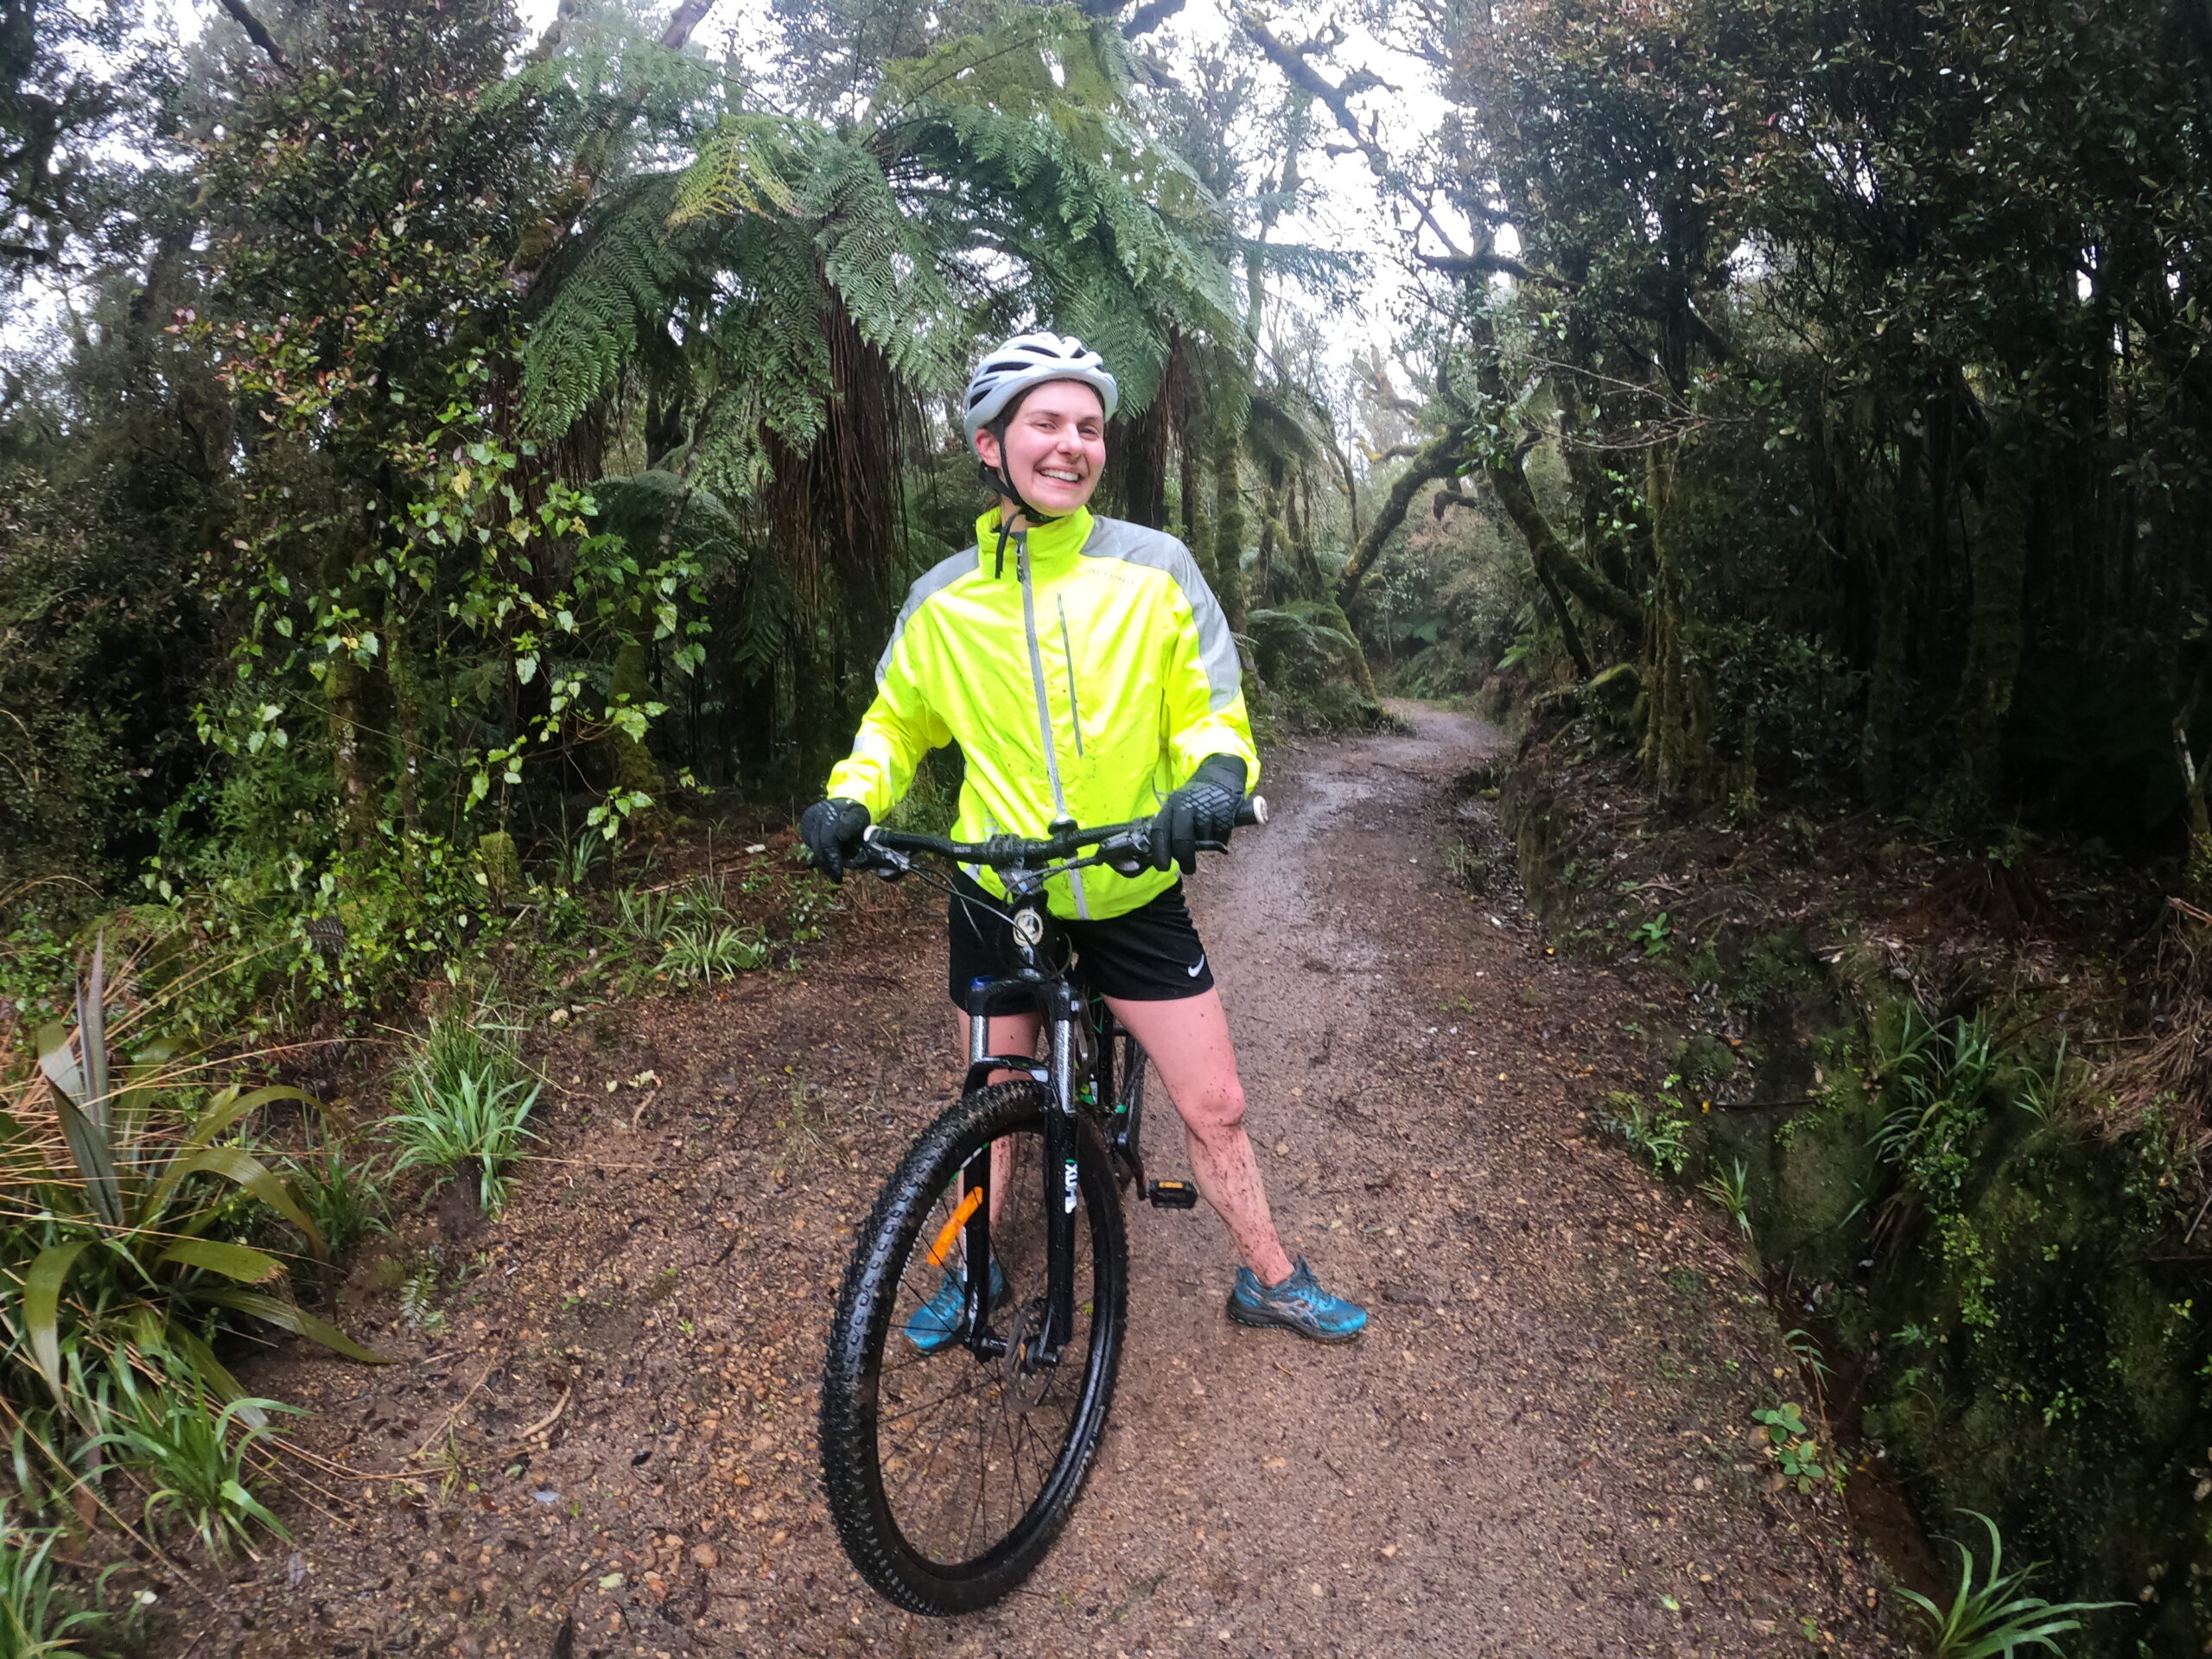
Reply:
x=35 y=1615
x=1309 y=664
x=418 y=1301
x=703 y=952
x=346 y=1201
x=1794 y=1449
x=1657 y=1131
x=1990 y=1615
x=464 y=1100
x=1731 y=1190
x=194 y=1459
x=132 y=1199
x=1937 y=1078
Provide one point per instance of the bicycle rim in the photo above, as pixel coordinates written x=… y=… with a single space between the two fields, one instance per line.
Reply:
x=950 y=1475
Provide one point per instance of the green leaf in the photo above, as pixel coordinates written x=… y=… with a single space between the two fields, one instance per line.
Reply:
x=285 y=1316
x=95 y=1159
x=239 y=1261
x=214 y=1375
x=42 y=1308
x=245 y=1170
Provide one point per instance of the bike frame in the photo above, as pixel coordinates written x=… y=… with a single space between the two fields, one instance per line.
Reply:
x=1080 y=1034
x=1079 y=1051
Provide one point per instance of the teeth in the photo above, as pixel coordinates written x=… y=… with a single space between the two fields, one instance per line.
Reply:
x=1064 y=478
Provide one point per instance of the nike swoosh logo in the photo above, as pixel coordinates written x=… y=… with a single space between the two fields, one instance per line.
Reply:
x=1196 y=968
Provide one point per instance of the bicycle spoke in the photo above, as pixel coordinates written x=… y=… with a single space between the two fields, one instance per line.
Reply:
x=958 y=1392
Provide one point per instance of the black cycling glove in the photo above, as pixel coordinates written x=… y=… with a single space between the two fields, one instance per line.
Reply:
x=1203 y=810
x=832 y=831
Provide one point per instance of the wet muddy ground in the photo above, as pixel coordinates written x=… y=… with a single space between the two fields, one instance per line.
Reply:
x=1543 y=1446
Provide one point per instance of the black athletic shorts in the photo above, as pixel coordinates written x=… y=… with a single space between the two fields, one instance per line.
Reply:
x=1151 y=955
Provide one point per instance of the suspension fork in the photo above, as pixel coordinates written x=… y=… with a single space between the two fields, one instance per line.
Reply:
x=1061 y=1176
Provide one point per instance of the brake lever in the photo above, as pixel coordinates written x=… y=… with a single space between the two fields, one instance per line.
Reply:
x=888 y=863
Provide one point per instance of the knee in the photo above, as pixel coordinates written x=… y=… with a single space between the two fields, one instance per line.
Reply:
x=1218 y=1114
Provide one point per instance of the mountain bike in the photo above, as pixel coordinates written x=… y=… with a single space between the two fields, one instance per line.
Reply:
x=978 y=1332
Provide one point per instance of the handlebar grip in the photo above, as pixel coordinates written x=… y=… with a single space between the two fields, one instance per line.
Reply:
x=1253 y=811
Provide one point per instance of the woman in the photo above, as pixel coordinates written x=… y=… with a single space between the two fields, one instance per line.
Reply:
x=1090 y=677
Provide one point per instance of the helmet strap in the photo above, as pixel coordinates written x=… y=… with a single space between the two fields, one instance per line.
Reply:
x=998 y=478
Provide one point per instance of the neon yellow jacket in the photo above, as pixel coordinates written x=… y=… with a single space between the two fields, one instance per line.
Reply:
x=1086 y=681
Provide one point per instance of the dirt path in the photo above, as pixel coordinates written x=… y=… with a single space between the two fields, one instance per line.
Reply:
x=1540 y=1448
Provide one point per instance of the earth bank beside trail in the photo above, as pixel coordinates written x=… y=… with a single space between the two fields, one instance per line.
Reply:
x=1543 y=1446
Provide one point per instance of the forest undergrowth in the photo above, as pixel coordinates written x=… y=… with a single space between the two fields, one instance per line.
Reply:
x=1950 y=1089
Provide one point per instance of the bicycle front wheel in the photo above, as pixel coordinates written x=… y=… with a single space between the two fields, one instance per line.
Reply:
x=950 y=1474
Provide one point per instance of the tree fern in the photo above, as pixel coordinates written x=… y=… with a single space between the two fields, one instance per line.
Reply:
x=999 y=177
x=623 y=276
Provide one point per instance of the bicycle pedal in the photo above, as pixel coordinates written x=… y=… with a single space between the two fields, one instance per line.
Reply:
x=1174 y=1195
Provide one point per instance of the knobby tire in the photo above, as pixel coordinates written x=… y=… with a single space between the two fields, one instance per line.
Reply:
x=865 y=1338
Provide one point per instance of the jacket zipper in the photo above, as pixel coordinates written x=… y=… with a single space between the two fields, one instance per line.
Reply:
x=1067 y=656
x=1044 y=707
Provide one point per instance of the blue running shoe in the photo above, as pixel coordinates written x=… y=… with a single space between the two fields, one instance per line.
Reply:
x=1298 y=1304
x=936 y=1323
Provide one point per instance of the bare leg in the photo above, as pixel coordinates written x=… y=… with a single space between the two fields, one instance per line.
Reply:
x=1188 y=1041
x=1009 y=1034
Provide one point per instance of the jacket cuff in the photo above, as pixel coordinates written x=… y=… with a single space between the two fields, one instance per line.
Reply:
x=1226 y=770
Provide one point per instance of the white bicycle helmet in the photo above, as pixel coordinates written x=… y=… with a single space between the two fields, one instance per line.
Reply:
x=1029 y=360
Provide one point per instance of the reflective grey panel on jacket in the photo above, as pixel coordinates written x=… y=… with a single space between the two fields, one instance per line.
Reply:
x=1115 y=538
x=935 y=580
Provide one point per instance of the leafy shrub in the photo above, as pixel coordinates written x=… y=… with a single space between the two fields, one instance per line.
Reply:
x=1308 y=659
x=465 y=1097
x=643 y=915
x=703 y=952
x=194 y=1459
x=1731 y=1190
x=1786 y=704
x=35 y=1616
x=132 y=1200
x=1938 y=1076
x=346 y=1201
x=1657 y=1131
x=1991 y=1614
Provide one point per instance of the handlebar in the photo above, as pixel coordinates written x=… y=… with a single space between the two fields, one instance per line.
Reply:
x=1017 y=852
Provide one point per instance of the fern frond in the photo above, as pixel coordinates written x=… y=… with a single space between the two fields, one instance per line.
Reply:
x=744 y=166
x=621 y=277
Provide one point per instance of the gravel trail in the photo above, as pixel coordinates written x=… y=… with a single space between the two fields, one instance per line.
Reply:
x=1540 y=1448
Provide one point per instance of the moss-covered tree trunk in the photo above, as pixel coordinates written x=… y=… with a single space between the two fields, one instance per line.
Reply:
x=1678 y=752
x=1228 y=522
x=1195 y=528
x=631 y=685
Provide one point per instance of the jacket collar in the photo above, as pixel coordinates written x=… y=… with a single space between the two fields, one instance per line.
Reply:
x=1052 y=547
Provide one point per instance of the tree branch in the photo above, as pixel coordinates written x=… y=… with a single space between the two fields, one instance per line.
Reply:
x=1149 y=16
x=1432 y=460
x=677 y=34
x=550 y=41
x=260 y=37
x=1291 y=61
x=1551 y=556
x=1485 y=264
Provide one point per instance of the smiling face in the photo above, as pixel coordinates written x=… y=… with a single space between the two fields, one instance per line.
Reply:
x=1055 y=446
